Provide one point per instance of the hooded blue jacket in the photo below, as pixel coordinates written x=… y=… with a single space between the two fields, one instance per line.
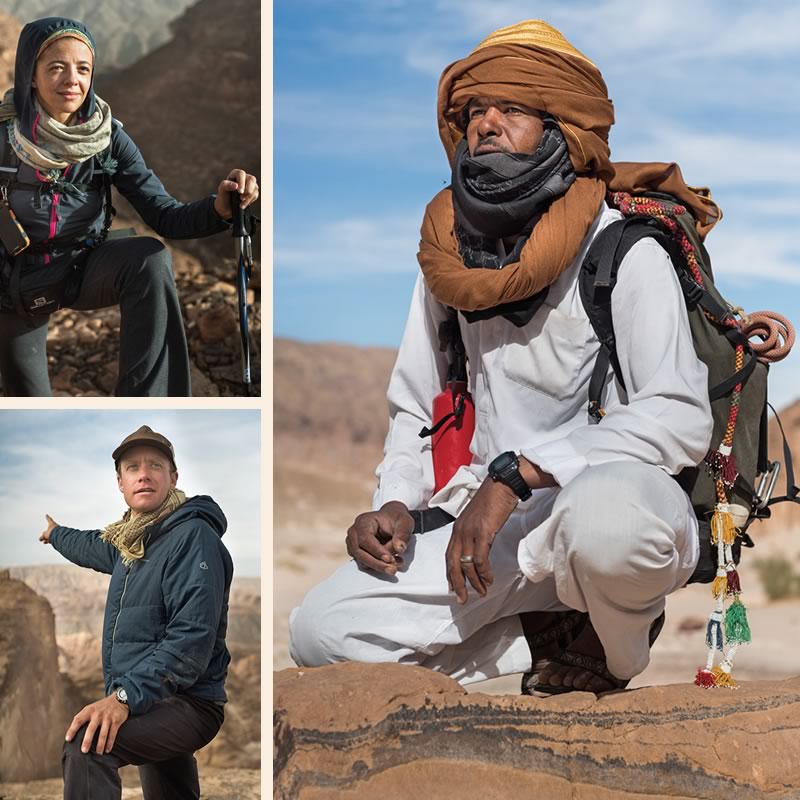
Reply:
x=63 y=212
x=167 y=614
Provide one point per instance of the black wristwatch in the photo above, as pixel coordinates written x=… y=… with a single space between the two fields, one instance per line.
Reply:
x=121 y=695
x=505 y=468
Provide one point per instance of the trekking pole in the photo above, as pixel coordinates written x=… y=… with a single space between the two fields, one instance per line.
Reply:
x=243 y=227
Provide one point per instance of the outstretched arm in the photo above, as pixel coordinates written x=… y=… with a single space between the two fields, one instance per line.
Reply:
x=84 y=548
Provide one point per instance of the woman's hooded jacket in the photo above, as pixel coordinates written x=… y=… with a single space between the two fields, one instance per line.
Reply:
x=73 y=208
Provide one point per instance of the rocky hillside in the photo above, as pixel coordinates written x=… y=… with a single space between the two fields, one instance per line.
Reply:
x=36 y=701
x=191 y=146
x=9 y=33
x=330 y=420
x=392 y=731
x=124 y=31
x=329 y=406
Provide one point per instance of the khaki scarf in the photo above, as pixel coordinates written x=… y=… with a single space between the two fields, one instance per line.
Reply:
x=127 y=534
x=58 y=145
x=531 y=63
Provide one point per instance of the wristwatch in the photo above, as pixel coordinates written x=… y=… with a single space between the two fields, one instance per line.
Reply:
x=505 y=468
x=121 y=695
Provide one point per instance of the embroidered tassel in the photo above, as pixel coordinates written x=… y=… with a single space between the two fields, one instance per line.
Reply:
x=714 y=633
x=722 y=463
x=723 y=679
x=737 y=628
x=704 y=678
x=734 y=587
x=720 y=585
x=722 y=526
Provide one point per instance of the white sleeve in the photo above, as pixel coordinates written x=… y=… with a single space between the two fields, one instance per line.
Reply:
x=667 y=418
x=419 y=374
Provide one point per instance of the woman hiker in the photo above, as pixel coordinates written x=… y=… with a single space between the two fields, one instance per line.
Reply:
x=61 y=152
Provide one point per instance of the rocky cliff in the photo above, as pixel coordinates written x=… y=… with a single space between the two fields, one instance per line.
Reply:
x=36 y=701
x=124 y=31
x=390 y=731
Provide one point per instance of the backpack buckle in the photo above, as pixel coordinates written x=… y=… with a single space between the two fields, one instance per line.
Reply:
x=691 y=290
x=596 y=412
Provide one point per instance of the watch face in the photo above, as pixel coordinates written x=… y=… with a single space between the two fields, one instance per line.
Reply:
x=122 y=694
x=503 y=462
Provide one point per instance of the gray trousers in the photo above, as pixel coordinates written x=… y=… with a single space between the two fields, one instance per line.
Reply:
x=136 y=274
x=614 y=542
x=161 y=743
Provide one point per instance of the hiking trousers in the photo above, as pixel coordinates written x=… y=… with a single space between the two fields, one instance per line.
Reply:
x=161 y=743
x=136 y=274
x=615 y=542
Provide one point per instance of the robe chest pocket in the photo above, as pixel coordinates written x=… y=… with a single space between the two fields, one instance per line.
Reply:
x=546 y=355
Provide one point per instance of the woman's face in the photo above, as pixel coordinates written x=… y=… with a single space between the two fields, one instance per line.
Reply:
x=62 y=77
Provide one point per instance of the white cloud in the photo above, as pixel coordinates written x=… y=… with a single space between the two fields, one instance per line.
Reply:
x=355 y=245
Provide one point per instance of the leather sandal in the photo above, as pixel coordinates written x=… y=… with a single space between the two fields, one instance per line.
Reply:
x=559 y=634
x=596 y=666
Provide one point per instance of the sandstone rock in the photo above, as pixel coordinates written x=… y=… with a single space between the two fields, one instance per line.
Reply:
x=33 y=712
x=390 y=731
x=217 y=323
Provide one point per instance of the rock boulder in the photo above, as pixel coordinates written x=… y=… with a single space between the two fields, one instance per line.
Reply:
x=387 y=731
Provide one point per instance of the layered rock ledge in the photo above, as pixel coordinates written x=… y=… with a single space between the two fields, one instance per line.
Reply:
x=368 y=731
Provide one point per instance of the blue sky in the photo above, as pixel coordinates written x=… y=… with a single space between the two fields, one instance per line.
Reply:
x=709 y=84
x=59 y=463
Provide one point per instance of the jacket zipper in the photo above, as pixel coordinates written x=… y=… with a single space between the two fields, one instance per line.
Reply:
x=124 y=588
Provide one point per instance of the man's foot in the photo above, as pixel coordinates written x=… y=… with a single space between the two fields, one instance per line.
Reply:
x=548 y=634
x=576 y=674
x=582 y=667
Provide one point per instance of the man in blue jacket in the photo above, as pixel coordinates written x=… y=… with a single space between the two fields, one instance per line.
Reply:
x=164 y=653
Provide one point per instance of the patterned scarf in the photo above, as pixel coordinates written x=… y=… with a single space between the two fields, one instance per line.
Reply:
x=127 y=534
x=57 y=145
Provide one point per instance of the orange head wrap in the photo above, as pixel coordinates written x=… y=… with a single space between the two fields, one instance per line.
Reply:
x=533 y=64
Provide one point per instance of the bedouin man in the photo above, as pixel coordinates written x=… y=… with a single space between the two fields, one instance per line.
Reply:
x=567 y=535
x=164 y=653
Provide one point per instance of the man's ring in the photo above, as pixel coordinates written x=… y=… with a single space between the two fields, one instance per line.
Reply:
x=466 y=559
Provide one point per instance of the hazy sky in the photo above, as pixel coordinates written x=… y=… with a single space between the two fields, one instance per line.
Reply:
x=59 y=463
x=706 y=83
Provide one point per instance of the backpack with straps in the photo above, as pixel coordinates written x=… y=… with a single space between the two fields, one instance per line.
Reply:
x=49 y=296
x=724 y=490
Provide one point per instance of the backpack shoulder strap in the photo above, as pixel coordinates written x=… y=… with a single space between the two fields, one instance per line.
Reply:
x=597 y=279
x=9 y=163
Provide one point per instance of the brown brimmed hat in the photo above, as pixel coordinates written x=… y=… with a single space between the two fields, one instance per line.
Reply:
x=145 y=436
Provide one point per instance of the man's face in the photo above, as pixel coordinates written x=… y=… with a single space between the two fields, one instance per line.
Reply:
x=145 y=478
x=500 y=126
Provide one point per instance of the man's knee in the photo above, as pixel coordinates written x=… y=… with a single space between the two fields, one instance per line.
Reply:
x=312 y=638
x=611 y=526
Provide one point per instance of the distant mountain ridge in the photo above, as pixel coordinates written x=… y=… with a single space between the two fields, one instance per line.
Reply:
x=124 y=31
x=331 y=418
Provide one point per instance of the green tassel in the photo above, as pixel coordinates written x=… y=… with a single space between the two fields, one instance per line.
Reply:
x=736 y=628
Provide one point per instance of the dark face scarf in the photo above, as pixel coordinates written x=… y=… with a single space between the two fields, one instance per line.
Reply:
x=498 y=195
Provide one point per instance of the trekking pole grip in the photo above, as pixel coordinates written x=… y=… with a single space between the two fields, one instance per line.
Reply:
x=238 y=219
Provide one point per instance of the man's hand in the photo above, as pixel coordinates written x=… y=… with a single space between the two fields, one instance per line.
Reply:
x=45 y=535
x=108 y=715
x=378 y=538
x=473 y=534
x=237 y=181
